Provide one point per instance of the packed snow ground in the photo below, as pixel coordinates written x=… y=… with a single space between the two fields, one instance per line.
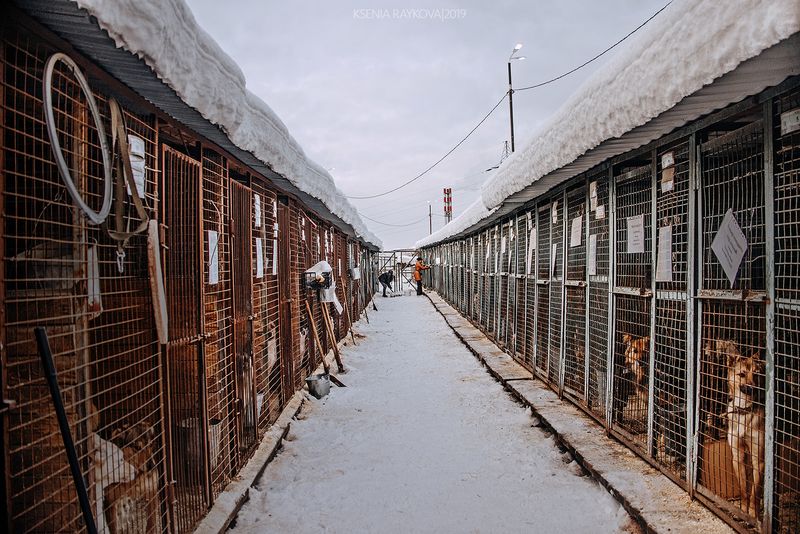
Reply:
x=422 y=440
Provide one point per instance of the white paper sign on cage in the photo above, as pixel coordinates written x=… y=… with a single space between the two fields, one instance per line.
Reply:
x=531 y=245
x=729 y=245
x=635 y=235
x=259 y=258
x=213 y=257
x=575 y=231
x=137 y=157
x=257 y=209
x=275 y=249
x=664 y=260
x=600 y=212
x=592 y=255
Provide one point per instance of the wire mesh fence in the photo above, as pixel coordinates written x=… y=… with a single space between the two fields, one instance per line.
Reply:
x=575 y=294
x=597 y=269
x=544 y=271
x=159 y=430
x=671 y=319
x=556 y=267
x=786 y=501
x=675 y=270
x=632 y=308
x=733 y=322
x=218 y=348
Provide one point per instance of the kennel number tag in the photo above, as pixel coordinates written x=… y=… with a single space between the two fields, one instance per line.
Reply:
x=729 y=245
x=635 y=234
x=259 y=258
x=275 y=249
x=601 y=212
x=531 y=245
x=664 y=263
x=575 y=233
x=592 y=196
x=592 y=255
x=213 y=257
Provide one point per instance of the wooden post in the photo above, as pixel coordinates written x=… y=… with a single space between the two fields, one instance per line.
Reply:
x=317 y=340
x=329 y=328
x=347 y=312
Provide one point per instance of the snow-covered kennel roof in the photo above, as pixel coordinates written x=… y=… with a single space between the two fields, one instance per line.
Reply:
x=684 y=49
x=166 y=36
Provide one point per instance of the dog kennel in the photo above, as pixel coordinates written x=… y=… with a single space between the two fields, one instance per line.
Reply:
x=663 y=299
x=598 y=276
x=544 y=271
x=632 y=290
x=518 y=308
x=165 y=404
x=574 y=382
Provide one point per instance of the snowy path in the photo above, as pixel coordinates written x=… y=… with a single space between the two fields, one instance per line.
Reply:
x=422 y=440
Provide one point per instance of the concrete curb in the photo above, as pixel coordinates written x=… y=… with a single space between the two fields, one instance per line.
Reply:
x=237 y=492
x=655 y=502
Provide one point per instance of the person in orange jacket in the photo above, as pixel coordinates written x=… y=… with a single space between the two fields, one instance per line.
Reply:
x=418 y=268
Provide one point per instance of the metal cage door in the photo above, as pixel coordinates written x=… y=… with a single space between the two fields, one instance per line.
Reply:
x=241 y=235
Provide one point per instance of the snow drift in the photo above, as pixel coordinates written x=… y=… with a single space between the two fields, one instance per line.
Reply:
x=165 y=35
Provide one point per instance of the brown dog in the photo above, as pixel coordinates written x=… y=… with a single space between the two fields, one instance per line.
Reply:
x=630 y=386
x=746 y=426
x=636 y=352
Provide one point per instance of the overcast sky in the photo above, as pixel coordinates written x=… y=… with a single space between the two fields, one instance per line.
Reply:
x=378 y=91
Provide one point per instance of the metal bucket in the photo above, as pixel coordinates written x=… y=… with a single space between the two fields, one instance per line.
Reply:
x=318 y=385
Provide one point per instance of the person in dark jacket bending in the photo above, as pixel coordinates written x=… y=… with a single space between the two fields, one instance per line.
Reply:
x=386 y=280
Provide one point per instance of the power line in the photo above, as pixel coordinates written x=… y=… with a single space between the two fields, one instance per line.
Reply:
x=394 y=225
x=426 y=171
x=601 y=54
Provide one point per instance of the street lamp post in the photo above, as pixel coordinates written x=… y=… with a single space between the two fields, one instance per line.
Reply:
x=511 y=58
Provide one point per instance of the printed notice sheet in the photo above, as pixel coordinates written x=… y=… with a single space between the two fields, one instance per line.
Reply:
x=635 y=234
x=531 y=248
x=664 y=260
x=575 y=233
x=592 y=255
x=259 y=258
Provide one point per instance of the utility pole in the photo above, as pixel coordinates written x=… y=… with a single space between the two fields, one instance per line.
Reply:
x=511 y=105
x=430 y=218
x=448 y=204
x=511 y=58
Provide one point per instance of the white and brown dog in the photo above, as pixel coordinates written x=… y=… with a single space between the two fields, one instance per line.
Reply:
x=745 y=416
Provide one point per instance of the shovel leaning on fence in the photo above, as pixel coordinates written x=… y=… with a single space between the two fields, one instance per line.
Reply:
x=326 y=368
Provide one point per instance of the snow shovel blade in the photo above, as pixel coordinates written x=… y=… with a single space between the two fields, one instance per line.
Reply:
x=336 y=381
